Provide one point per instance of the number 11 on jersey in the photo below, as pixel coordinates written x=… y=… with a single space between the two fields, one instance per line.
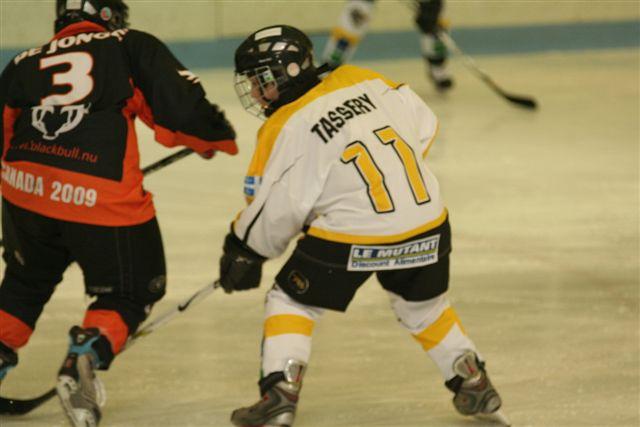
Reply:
x=357 y=153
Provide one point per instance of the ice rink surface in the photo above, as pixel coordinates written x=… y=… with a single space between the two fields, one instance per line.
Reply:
x=544 y=210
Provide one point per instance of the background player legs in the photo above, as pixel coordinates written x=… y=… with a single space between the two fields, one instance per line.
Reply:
x=345 y=37
x=354 y=23
x=434 y=51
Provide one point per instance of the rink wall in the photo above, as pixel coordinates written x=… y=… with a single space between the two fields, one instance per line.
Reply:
x=207 y=31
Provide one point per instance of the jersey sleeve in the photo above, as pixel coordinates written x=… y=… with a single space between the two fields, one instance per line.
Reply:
x=170 y=99
x=292 y=182
x=426 y=120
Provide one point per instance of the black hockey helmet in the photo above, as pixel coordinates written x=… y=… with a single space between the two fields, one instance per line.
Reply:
x=111 y=14
x=274 y=66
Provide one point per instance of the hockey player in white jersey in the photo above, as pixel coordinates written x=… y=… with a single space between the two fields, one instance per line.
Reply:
x=340 y=159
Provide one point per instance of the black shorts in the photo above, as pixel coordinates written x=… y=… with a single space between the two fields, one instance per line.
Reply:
x=327 y=274
x=125 y=262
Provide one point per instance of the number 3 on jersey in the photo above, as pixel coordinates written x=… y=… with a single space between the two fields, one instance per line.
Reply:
x=357 y=153
x=77 y=77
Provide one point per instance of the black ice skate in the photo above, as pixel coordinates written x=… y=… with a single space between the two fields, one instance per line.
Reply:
x=80 y=391
x=277 y=408
x=474 y=393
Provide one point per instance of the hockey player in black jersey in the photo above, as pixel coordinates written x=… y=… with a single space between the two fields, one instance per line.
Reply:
x=72 y=186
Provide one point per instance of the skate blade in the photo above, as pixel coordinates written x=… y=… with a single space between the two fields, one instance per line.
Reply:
x=77 y=417
x=497 y=417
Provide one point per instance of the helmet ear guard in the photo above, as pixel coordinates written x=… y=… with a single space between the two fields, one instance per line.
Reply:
x=274 y=66
x=111 y=14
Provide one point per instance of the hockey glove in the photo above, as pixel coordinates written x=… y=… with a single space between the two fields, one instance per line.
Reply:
x=240 y=266
x=207 y=155
x=220 y=133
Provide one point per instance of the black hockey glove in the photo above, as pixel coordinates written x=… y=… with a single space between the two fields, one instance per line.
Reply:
x=240 y=266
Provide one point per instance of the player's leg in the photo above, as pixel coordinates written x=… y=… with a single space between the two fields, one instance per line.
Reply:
x=286 y=348
x=433 y=49
x=306 y=285
x=421 y=306
x=418 y=299
x=124 y=269
x=35 y=260
x=345 y=37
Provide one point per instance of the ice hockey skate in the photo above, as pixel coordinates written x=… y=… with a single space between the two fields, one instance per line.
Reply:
x=277 y=407
x=474 y=393
x=81 y=392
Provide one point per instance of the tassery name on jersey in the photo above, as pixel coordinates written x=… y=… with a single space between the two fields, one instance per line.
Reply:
x=336 y=118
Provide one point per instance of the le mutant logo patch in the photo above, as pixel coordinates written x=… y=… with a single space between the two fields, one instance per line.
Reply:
x=416 y=253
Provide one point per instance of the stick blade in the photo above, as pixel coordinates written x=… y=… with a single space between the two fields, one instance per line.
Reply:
x=10 y=406
x=522 y=101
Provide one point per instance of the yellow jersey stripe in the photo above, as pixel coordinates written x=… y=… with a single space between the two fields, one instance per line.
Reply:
x=433 y=334
x=369 y=240
x=287 y=324
x=343 y=77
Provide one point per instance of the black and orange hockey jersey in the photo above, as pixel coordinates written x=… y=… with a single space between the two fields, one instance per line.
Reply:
x=69 y=147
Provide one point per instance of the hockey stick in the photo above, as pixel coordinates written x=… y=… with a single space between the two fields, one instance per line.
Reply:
x=160 y=320
x=522 y=101
x=172 y=158
x=23 y=406
x=10 y=406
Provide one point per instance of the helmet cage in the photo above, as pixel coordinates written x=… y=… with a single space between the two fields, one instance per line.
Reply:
x=259 y=88
x=274 y=66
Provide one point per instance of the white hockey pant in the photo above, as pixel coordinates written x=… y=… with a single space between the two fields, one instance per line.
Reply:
x=288 y=327
x=436 y=326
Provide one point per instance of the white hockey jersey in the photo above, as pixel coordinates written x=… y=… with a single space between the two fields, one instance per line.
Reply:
x=345 y=162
